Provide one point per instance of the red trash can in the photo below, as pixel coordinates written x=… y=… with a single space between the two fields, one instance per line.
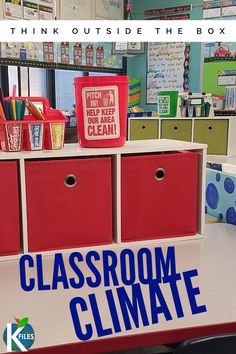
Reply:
x=101 y=110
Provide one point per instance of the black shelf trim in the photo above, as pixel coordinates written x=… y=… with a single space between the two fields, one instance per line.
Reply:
x=58 y=66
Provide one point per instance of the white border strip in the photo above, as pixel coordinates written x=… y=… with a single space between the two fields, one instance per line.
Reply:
x=118 y=31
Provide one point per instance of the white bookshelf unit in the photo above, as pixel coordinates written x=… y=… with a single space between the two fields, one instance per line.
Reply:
x=74 y=152
x=217 y=132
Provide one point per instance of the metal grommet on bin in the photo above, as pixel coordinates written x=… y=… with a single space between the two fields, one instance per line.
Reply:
x=70 y=181
x=160 y=174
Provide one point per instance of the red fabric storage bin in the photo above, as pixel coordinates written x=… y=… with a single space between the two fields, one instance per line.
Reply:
x=69 y=203
x=159 y=195
x=9 y=209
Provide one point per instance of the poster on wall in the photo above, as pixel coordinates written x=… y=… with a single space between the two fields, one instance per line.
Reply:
x=109 y=9
x=1 y=10
x=128 y=48
x=88 y=54
x=171 y=17
x=168 y=68
x=74 y=10
x=212 y=10
x=30 y=10
x=168 y=10
x=219 y=67
x=12 y=9
x=229 y=8
x=100 y=55
x=46 y=12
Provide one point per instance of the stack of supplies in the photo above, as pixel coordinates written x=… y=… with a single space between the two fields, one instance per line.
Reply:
x=134 y=91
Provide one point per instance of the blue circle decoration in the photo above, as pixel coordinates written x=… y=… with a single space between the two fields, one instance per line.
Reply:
x=231 y=216
x=229 y=185
x=212 y=196
x=221 y=217
x=218 y=176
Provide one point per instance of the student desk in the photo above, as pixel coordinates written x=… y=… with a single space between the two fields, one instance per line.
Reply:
x=48 y=312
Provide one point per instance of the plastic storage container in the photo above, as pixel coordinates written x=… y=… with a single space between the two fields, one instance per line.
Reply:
x=167 y=103
x=159 y=195
x=69 y=203
x=9 y=209
x=101 y=109
x=31 y=134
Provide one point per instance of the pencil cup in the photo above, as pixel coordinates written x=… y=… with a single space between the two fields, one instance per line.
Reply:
x=190 y=111
x=11 y=136
x=36 y=133
x=57 y=132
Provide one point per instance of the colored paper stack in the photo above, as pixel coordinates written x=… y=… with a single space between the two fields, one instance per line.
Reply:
x=134 y=91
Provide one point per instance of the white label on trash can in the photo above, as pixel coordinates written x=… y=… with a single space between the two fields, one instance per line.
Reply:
x=164 y=105
x=101 y=112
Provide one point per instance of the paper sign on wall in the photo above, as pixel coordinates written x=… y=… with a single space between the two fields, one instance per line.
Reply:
x=109 y=9
x=12 y=9
x=45 y=12
x=30 y=10
x=168 y=68
x=74 y=10
x=101 y=112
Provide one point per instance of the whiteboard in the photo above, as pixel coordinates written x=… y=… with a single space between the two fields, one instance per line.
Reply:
x=167 y=68
x=109 y=9
x=74 y=10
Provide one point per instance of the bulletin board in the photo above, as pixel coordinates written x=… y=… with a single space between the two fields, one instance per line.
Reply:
x=94 y=55
x=167 y=68
x=219 y=67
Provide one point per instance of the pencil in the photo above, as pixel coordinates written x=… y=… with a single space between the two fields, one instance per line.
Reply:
x=6 y=109
x=11 y=114
x=2 y=114
x=22 y=112
x=13 y=103
x=34 y=110
x=18 y=110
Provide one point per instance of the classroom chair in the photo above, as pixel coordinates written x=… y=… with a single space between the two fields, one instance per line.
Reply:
x=217 y=344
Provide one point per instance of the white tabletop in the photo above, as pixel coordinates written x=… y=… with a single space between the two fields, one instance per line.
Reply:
x=214 y=257
x=130 y=147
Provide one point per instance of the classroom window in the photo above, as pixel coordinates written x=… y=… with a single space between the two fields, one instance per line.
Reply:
x=38 y=82
x=65 y=95
x=13 y=79
x=24 y=75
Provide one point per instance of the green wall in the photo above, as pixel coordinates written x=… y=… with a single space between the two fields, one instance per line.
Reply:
x=137 y=65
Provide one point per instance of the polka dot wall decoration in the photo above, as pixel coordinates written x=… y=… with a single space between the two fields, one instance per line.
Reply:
x=221 y=196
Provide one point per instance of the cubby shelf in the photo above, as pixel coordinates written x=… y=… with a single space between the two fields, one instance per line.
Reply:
x=71 y=151
x=217 y=132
